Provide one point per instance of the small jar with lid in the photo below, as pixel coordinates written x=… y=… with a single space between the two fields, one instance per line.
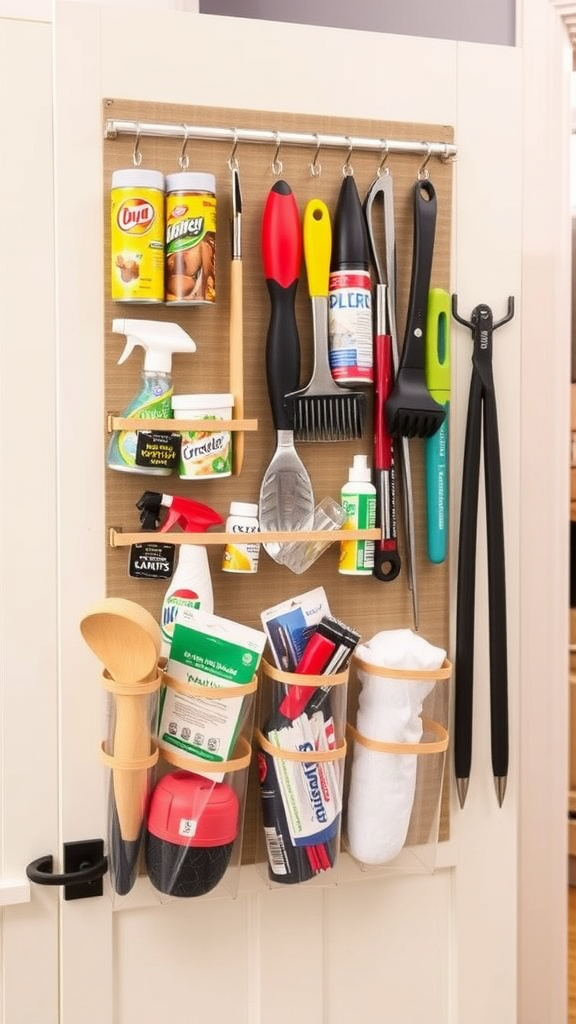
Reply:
x=190 y=273
x=241 y=555
x=204 y=453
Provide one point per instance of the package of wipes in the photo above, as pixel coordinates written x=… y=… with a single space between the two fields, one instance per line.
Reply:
x=207 y=653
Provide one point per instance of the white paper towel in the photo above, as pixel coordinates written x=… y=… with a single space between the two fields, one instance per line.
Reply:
x=382 y=785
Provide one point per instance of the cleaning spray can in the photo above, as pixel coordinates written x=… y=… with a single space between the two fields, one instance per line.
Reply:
x=137 y=235
x=242 y=521
x=149 y=451
x=191 y=587
x=349 y=292
x=358 y=499
x=190 y=238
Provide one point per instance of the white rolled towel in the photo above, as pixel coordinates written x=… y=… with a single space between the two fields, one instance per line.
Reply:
x=382 y=785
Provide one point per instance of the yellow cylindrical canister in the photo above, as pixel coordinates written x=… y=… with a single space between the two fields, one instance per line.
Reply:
x=137 y=235
x=190 y=237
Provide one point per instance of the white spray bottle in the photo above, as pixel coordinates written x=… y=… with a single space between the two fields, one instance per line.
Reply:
x=191 y=584
x=153 y=401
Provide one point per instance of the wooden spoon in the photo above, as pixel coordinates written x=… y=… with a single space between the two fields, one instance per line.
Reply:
x=125 y=637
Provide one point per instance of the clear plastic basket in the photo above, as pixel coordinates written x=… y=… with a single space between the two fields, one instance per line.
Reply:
x=393 y=786
x=194 y=828
x=301 y=749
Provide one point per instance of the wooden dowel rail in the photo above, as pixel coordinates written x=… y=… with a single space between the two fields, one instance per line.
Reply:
x=207 y=425
x=120 y=539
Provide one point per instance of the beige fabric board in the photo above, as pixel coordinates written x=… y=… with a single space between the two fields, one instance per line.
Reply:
x=365 y=603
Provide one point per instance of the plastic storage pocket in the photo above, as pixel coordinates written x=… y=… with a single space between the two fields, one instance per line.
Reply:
x=130 y=752
x=393 y=786
x=301 y=752
x=195 y=820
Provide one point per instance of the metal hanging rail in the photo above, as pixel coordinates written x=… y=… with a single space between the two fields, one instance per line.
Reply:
x=113 y=128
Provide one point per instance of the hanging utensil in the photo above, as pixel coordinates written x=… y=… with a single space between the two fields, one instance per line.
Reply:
x=323 y=410
x=381 y=192
x=481 y=417
x=436 y=447
x=236 y=315
x=286 y=496
x=386 y=554
x=410 y=410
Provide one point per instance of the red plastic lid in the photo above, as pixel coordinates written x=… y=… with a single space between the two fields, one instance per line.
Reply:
x=191 y=810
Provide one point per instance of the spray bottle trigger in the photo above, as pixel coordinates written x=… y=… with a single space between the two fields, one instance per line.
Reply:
x=131 y=343
x=173 y=518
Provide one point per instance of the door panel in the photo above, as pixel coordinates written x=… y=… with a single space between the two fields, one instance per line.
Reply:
x=28 y=593
x=265 y=953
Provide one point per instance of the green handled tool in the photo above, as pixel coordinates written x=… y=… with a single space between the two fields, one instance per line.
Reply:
x=437 y=368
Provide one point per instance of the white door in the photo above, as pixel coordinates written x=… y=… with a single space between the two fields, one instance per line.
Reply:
x=409 y=948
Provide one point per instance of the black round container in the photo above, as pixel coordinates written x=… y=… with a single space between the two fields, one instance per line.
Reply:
x=191 y=828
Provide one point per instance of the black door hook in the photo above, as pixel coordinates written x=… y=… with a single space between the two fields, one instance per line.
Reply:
x=84 y=867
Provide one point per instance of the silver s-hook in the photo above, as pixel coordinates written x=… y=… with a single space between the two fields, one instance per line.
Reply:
x=382 y=168
x=277 y=164
x=315 y=166
x=423 y=171
x=233 y=159
x=136 y=152
x=184 y=159
x=348 y=170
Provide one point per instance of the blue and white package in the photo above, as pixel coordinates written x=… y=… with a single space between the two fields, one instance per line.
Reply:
x=290 y=624
x=310 y=790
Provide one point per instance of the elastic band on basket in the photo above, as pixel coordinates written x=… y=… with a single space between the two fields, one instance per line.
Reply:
x=131 y=689
x=294 y=679
x=304 y=756
x=444 y=672
x=136 y=765
x=211 y=692
x=437 y=746
x=202 y=766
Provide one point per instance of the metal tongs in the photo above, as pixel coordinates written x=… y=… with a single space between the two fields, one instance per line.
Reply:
x=387 y=558
x=482 y=416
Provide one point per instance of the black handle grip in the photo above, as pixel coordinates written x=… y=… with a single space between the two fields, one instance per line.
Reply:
x=387 y=561
x=466 y=585
x=496 y=590
x=282 y=353
x=282 y=255
x=425 y=207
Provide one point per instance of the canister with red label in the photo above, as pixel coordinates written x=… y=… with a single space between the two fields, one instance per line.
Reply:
x=190 y=237
x=137 y=235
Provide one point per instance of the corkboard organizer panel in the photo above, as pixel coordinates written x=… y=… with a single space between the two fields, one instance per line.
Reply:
x=364 y=602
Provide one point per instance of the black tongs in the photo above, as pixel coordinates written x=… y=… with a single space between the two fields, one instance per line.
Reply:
x=482 y=416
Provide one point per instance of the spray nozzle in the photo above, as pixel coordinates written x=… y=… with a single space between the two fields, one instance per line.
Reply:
x=149 y=504
x=158 y=339
x=191 y=516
